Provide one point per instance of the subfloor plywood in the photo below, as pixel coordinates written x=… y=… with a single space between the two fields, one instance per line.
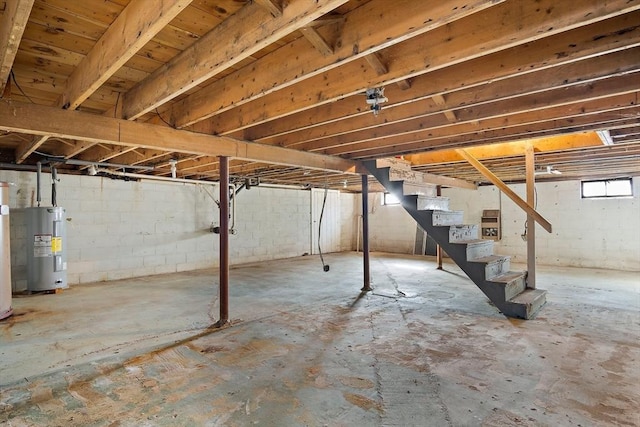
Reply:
x=306 y=348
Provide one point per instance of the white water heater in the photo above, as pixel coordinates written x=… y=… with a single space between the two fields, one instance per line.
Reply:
x=5 y=253
x=46 y=248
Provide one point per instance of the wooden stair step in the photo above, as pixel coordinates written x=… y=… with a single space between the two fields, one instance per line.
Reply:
x=393 y=162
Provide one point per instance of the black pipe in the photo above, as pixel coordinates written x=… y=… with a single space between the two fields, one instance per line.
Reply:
x=365 y=233
x=224 y=241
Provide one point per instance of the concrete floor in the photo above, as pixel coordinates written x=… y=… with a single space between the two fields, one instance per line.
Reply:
x=425 y=349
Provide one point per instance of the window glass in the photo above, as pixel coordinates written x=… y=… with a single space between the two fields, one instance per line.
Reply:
x=390 y=199
x=607 y=188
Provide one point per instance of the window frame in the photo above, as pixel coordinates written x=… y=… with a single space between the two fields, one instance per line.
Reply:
x=606 y=184
x=395 y=202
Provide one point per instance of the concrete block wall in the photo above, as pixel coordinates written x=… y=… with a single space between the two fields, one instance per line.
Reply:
x=270 y=224
x=391 y=228
x=119 y=229
x=350 y=212
x=598 y=233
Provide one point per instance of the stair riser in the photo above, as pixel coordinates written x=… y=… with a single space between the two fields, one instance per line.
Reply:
x=528 y=309
x=514 y=287
x=463 y=233
x=433 y=204
x=447 y=218
x=479 y=250
x=497 y=268
x=533 y=309
x=419 y=189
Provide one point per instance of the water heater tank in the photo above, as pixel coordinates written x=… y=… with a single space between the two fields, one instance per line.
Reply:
x=5 y=253
x=46 y=248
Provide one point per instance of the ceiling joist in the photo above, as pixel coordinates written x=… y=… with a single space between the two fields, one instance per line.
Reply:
x=241 y=35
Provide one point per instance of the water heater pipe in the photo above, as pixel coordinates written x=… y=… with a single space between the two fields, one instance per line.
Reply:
x=54 y=178
x=38 y=176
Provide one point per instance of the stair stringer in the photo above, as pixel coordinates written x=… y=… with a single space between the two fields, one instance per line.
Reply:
x=456 y=251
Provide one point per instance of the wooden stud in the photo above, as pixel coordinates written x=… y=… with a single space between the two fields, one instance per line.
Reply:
x=376 y=63
x=450 y=115
x=530 y=167
x=25 y=149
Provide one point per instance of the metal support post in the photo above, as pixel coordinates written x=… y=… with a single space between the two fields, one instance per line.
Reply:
x=224 y=241
x=365 y=233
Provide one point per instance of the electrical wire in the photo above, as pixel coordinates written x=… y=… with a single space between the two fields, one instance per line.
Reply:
x=535 y=207
x=162 y=118
x=13 y=76
x=325 y=267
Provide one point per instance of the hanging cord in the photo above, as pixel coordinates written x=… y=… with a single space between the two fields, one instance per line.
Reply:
x=535 y=207
x=325 y=267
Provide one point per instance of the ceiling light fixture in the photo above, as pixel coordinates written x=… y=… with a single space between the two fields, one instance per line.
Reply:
x=549 y=170
x=605 y=137
x=375 y=97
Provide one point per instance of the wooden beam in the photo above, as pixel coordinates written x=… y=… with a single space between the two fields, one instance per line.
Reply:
x=25 y=148
x=450 y=115
x=241 y=35
x=12 y=24
x=505 y=189
x=133 y=28
x=494 y=30
x=508 y=149
x=294 y=62
x=49 y=121
x=530 y=167
x=446 y=181
x=272 y=6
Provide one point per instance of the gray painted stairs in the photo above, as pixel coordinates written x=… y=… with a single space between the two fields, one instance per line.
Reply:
x=506 y=289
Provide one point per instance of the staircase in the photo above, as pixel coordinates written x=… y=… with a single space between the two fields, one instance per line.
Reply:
x=491 y=273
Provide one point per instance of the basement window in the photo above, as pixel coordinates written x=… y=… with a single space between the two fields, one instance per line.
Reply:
x=620 y=187
x=389 y=199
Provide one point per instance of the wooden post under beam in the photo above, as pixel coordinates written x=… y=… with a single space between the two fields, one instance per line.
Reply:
x=531 y=223
x=505 y=189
